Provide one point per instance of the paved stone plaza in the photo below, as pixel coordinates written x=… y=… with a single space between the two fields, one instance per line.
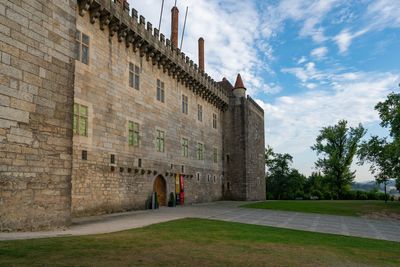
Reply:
x=226 y=211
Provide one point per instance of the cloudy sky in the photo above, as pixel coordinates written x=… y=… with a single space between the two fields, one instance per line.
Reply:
x=308 y=63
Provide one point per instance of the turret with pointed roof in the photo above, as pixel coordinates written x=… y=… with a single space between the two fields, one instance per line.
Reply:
x=239 y=90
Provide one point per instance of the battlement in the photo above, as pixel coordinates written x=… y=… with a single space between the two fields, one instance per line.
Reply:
x=254 y=103
x=150 y=43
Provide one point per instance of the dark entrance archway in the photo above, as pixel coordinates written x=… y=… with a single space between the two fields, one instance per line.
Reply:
x=160 y=186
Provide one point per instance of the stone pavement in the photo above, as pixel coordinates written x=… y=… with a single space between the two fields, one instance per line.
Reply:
x=225 y=211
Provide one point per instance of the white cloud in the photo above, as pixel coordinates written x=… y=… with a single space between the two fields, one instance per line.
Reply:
x=293 y=122
x=345 y=37
x=319 y=52
x=230 y=47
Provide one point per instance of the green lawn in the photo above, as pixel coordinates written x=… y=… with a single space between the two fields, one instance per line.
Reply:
x=337 y=207
x=196 y=242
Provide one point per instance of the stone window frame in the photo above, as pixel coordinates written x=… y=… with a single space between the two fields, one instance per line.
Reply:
x=81 y=46
x=134 y=76
x=199 y=112
x=215 y=155
x=214 y=179
x=198 y=177
x=200 y=148
x=160 y=140
x=132 y=132
x=78 y=117
x=214 y=121
x=208 y=178
x=160 y=94
x=185 y=104
x=185 y=147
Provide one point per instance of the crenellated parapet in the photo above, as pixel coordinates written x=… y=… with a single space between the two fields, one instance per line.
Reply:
x=132 y=29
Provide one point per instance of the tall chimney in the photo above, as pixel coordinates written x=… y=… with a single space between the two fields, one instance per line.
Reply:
x=201 y=53
x=174 y=26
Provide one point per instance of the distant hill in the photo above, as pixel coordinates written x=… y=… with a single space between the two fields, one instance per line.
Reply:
x=370 y=185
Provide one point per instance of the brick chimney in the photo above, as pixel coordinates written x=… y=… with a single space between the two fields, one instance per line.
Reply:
x=201 y=53
x=174 y=26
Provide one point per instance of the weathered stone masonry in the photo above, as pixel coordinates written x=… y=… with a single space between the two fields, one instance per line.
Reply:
x=36 y=96
x=42 y=186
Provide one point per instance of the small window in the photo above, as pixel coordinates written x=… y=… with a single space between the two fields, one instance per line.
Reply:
x=185 y=104
x=172 y=166
x=208 y=178
x=84 y=154
x=198 y=177
x=160 y=141
x=215 y=179
x=134 y=79
x=82 y=47
x=183 y=168
x=140 y=163
x=160 y=91
x=112 y=159
x=80 y=120
x=214 y=121
x=133 y=133
x=200 y=112
x=185 y=147
x=229 y=186
x=215 y=155
x=227 y=158
x=200 y=151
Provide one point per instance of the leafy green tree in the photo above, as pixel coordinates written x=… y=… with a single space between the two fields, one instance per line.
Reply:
x=336 y=147
x=384 y=153
x=316 y=185
x=278 y=169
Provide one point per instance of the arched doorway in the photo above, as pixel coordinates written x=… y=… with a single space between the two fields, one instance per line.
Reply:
x=160 y=186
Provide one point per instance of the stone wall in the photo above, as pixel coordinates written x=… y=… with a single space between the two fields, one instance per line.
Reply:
x=103 y=86
x=255 y=150
x=36 y=95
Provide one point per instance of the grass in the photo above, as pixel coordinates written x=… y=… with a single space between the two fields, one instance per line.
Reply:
x=337 y=207
x=197 y=242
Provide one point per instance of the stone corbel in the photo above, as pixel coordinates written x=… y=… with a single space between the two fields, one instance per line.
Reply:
x=122 y=32
x=84 y=6
x=94 y=12
x=113 y=26
x=105 y=19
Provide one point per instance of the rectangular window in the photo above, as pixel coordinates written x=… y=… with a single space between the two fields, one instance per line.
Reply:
x=214 y=121
x=185 y=106
x=82 y=47
x=134 y=76
x=215 y=155
x=160 y=141
x=84 y=154
x=80 y=121
x=200 y=112
x=160 y=91
x=185 y=147
x=133 y=135
x=112 y=159
x=200 y=151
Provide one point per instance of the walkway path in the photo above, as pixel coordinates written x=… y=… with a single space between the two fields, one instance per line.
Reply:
x=226 y=211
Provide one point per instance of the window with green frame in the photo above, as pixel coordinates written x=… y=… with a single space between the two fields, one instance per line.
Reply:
x=160 y=141
x=200 y=151
x=185 y=147
x=133 y=135
x=80 y=121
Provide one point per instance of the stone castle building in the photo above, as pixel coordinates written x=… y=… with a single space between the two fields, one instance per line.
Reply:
x=98 y=110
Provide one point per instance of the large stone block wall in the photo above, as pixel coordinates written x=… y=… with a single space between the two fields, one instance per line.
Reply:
x=103 y=87
x=255 y=150
x=235 y=150
x=36 y=95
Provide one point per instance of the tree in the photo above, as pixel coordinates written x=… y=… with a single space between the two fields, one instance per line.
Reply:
x=384 y=153
x=380 y=155
x=278 y=168
x=336 y=146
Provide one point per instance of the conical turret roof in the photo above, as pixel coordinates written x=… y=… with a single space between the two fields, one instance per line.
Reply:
x=239 y=82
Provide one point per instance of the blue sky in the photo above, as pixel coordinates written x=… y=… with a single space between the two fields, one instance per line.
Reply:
x=308 y=63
